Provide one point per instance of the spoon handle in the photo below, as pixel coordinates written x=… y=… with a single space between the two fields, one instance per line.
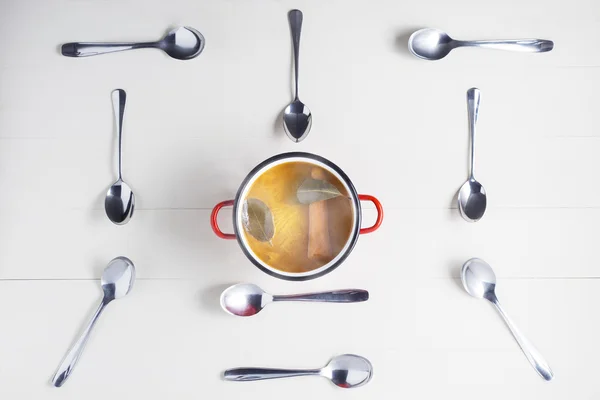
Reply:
x=473 y=98
x=119 y=97
x=520 y=45
x=86 y=49
x=533 y=355
x=335 y=296
x=258 y=374
x=295 y=18
x=68 y=363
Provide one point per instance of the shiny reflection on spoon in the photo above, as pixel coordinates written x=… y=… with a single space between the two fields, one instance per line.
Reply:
x=246 y=299
x=472 y=199
x=434 y=44
x=297 y=118
x=182 y=43
x=479 y=280
x=346 y=371
x=117 y=281
x=120 y=200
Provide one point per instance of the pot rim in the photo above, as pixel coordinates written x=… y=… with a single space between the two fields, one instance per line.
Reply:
x=303 y=157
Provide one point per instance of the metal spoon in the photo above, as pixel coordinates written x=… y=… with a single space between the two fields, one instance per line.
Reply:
x=433 y=44
x=120 y=201
x=346 y=371
x=479 y=281
x=182 y=43
x=246 y=299
x=472 y=199
x=297 y=118
x=117 y=280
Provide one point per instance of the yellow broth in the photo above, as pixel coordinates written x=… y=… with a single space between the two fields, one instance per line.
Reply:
x=288 y=249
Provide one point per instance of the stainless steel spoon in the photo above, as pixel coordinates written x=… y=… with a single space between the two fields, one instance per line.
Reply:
x=182 y=43
x=479 y=281
x=246 y=299
x=117 y=280
x=120 y=200
x=472 y=199
x=433 y=44
x=346 y=371
x=297 y=118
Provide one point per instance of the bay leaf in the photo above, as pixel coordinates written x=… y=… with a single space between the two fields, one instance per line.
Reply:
x=258 y=220
x=313 y=190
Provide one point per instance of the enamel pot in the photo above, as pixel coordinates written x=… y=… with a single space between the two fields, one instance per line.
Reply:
x=354 y=197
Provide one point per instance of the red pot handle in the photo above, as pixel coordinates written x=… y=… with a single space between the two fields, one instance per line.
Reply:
x=379 y=220
x=361 y=197
x=213 y=220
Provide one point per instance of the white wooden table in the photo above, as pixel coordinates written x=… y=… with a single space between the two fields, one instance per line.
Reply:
x=397 y=125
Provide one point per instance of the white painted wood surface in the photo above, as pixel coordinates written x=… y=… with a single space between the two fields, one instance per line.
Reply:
x=395 y=124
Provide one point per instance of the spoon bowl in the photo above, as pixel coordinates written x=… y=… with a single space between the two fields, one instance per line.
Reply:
x=117 y=278
x=297 y=121
x=478 y=278
x=182 y=43
x=348 y=371
x=472 y=200
x=244 y=300
x=430 y=44
x=119 y=203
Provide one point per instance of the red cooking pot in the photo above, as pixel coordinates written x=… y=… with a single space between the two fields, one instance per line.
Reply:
x=350 y=200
